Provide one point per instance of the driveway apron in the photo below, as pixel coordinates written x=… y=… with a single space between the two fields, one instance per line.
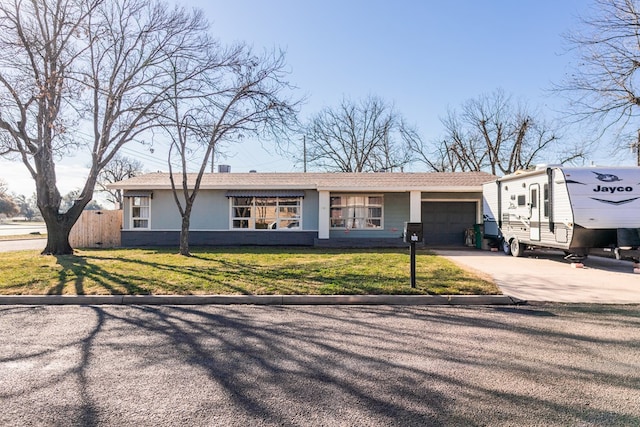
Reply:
x=545 y=276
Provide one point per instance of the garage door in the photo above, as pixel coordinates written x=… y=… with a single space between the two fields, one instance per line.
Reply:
x=444 y=223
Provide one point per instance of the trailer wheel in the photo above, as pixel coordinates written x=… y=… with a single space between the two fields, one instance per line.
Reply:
x=517 y=249
x=506 y=247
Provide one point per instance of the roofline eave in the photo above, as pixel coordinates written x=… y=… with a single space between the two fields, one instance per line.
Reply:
x=351 y=189
x=430 y=189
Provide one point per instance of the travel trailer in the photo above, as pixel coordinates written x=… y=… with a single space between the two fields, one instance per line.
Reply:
x=577 y=210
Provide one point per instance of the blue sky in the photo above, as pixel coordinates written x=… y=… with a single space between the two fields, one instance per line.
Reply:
x=425 y=57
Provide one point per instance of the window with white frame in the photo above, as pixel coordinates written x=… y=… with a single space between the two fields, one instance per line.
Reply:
x=356 y=211
x=140 y=211
x=266 y=213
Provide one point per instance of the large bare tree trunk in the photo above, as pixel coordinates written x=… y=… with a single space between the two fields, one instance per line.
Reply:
x=70 y=65
x=58 y=230
x=58 y=224
x=49 y=200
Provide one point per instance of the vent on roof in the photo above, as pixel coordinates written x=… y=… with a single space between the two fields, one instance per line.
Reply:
x=224 y=168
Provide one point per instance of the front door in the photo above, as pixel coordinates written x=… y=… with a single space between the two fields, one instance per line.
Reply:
x=534 y=209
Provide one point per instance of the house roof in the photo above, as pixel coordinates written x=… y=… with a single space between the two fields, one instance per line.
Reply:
x=328 y=181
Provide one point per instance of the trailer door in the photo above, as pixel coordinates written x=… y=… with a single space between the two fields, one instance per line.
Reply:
x=534 y=208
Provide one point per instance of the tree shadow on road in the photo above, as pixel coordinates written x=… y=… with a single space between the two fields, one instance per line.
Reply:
x=373 y=365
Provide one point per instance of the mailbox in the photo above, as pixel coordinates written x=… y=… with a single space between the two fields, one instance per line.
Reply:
x=413 y=232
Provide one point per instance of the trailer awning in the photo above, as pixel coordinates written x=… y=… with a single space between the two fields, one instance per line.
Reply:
x=265 y=193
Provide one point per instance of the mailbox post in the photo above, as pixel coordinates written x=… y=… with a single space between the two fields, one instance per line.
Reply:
x=412 y=235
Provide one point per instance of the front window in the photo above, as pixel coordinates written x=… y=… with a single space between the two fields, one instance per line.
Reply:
x=140 y=212
x=266 y=213
x=359 y=211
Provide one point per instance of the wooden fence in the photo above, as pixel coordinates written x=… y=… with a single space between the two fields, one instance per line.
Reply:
x=97 y=229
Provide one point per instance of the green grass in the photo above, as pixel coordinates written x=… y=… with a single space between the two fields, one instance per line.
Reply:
x=235 y=271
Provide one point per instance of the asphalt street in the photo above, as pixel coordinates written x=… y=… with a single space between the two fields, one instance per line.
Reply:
x=537 y=365
x=21 y=228
x=22 y=245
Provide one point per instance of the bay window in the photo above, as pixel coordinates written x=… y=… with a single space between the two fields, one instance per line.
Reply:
x=266 y=213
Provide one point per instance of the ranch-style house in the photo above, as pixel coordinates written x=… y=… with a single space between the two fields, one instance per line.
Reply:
x=304 y=209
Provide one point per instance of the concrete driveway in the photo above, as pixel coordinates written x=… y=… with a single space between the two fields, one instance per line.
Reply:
x=546 y=276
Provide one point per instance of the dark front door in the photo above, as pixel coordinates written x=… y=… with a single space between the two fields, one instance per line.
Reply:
x=444 y=223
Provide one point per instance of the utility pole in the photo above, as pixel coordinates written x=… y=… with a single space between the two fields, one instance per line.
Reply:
x=304 y=152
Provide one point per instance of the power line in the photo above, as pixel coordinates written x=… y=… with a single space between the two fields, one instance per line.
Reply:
x=152 y=161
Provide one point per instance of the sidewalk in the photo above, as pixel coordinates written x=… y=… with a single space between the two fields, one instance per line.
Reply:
x=258 y=299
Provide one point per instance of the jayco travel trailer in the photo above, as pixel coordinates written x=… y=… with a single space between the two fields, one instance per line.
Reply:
x=574 y=209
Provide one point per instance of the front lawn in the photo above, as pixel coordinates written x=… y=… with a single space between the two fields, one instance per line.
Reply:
x=249 y=271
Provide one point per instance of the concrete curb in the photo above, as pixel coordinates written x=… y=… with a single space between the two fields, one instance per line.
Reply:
x=260 y=300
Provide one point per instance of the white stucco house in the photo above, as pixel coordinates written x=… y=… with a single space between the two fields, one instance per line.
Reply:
x=305 y=209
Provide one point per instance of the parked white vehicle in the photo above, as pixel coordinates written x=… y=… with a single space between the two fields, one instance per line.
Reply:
x=573 y=209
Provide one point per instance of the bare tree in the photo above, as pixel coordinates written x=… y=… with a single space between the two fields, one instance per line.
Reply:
x=28 y=207
x=4 y=189
x=8 y=206
x=360 y=136
x=437 y=157
x=119 y=168
x=231 y=94
x=603 y=86
x=491 y=133
x=69 y=64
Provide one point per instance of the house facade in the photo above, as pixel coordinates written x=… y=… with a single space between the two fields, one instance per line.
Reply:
x=304 y=209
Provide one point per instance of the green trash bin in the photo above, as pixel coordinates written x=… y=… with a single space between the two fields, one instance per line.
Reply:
x=478 y=232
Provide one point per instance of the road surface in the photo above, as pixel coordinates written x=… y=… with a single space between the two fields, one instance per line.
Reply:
x=551 y=365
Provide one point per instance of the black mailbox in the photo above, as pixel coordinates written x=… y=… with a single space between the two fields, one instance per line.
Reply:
x=412 y=232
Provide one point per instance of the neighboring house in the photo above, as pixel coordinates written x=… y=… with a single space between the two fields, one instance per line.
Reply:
x=309 y=209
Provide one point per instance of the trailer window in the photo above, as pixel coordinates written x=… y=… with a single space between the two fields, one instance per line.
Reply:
x=522 y=200
x=545 y=208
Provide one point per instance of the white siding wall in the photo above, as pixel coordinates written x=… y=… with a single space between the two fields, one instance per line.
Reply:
x=490 y=201
x=604 y=198
x=561 y=201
